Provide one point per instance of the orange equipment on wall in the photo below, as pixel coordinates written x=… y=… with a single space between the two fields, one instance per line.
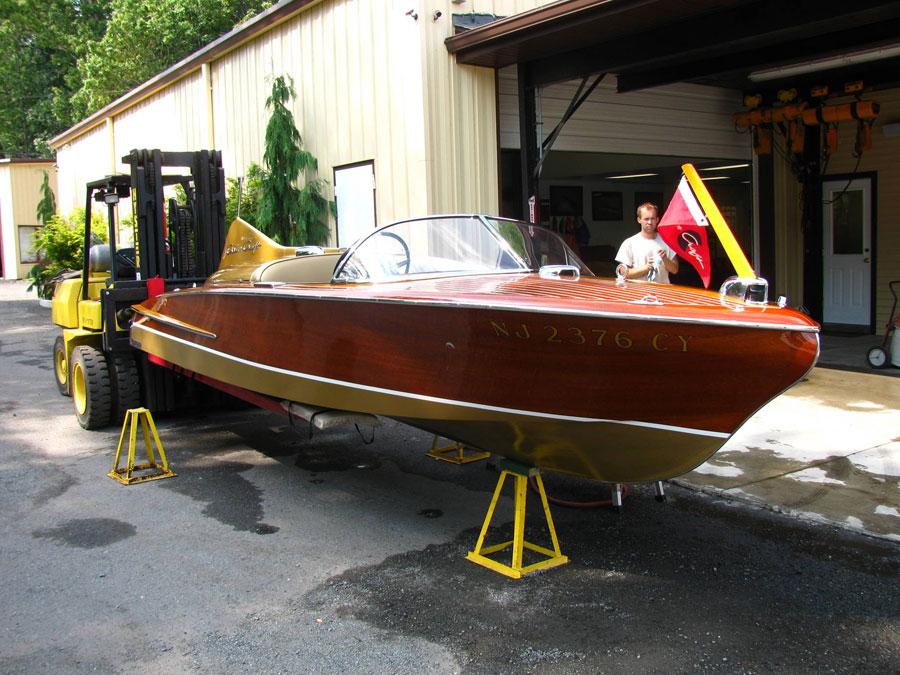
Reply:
x=795 y=115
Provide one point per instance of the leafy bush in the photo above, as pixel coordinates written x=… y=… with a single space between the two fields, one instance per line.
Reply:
x=60 y=245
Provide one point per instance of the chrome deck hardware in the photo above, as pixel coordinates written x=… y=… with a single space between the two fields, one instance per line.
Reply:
x=746 y=290
x=569 y=272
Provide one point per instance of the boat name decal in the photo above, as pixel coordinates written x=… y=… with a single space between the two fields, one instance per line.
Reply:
x=244 y=247
x=595 y=337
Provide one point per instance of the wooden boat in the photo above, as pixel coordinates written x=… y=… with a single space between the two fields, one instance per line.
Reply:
x=493 y=333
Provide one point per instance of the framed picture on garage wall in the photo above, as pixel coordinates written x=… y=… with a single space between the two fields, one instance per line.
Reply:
x=606 y=206
x=566 y=200
x=27 y=254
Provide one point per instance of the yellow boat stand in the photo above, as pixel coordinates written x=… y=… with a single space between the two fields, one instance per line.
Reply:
x=153 y=471
x=551 y=557
x=455 y=453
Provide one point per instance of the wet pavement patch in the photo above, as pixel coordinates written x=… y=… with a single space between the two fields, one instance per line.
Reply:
x=54 y=486
x=655 y=588
x=335 y=457
x=88 y=532
x=431 y=513
x=230 y=498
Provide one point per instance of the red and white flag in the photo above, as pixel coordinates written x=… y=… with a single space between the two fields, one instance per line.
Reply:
x=684 y=228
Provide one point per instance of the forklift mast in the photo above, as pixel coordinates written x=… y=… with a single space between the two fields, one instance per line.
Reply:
x=196 y=229
x=178 y=243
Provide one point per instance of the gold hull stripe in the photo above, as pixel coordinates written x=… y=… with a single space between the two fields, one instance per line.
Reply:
x=518 y=307
x=422 y=397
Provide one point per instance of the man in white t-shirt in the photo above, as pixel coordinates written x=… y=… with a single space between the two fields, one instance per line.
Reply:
x=645 y=255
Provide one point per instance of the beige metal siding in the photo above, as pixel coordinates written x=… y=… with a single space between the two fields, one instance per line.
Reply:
x=20 y=185
x=84 y=159
x=7 y=226
x=788 y=235
x=678 y=119
x=373 y=83
x=356 y=68
x=884 y=159
x=460 y=112
x=174 y=119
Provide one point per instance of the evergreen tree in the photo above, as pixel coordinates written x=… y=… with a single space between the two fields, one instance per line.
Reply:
x=47 y=205
x=288 y=214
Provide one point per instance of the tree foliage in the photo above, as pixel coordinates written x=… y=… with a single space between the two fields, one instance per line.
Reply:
x=144 y=37
x=291 y=215
x=47 y=203
x=40 y=44
x=61 y=60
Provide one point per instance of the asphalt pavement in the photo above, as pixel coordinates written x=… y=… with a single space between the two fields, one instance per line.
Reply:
x=274 y=551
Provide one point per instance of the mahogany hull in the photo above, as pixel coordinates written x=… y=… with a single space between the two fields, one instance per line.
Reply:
x=616 y=397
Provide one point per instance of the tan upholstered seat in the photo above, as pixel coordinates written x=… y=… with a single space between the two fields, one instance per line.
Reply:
x=306 y=269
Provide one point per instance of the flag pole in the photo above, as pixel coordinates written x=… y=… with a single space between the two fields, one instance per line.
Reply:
x=729 y=243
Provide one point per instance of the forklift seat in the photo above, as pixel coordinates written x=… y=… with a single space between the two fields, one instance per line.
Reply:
x=99 y=259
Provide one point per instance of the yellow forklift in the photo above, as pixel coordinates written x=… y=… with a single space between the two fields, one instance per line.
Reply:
x=176 y=246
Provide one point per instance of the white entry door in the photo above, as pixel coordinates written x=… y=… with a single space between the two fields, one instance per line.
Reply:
x=847 y=231
x=354 y=195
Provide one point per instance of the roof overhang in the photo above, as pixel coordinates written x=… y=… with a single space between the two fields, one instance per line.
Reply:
x=649 y=43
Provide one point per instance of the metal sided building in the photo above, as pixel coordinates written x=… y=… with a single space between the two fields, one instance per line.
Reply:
x=577 y=109
x=20 y=192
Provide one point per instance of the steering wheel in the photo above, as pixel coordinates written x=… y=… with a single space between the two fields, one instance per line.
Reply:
x=402 y=264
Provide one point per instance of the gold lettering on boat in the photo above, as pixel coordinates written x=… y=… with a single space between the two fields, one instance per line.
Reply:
x=500 y=329
x=655 y=342
x=243 y=247
x=623 y=340
x=594 y=337
x=577 y=337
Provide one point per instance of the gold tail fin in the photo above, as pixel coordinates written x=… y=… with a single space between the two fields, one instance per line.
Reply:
x=245 y=245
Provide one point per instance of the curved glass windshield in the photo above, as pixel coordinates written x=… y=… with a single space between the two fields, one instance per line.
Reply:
x=451 y=245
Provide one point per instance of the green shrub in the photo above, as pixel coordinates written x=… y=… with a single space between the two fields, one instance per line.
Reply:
x=60 y=245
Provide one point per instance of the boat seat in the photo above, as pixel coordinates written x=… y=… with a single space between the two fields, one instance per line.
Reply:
x=305 y=269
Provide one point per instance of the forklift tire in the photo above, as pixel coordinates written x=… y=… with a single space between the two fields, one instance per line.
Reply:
x=91 y=391
x=61 y=366
x=125 y=385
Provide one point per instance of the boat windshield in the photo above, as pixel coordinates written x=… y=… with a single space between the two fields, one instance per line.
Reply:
x=453 y=245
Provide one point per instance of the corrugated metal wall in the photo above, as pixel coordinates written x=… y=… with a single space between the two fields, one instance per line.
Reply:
x=20 y=185
x=357 y=72
x=373 y=84
x=679 y=119
x=788 y=235
x=84 y=159
x=173 y=119
x=882 y=159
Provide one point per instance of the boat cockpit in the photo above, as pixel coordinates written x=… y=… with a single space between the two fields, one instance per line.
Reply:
x=422 y=247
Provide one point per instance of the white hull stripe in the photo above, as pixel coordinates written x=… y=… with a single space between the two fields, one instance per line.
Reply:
x=431 y=399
